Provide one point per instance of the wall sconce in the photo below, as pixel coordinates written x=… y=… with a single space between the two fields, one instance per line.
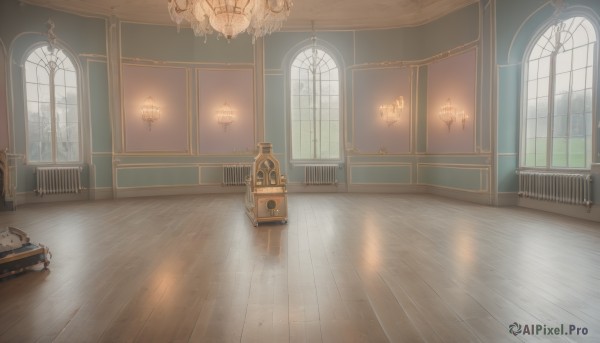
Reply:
x=225 y=116
x=449 y=114
x=150 y=112
x=391 y=113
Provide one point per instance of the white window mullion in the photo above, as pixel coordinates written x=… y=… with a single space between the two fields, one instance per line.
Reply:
x=52 y=113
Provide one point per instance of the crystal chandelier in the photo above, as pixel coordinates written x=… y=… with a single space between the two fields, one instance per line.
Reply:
x=150 y=112
x=449 y=114
x=225 y=116
x=391 y=113
x=230 y=17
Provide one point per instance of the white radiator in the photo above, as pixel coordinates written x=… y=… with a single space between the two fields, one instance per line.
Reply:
x=321 y=174
x=58 y=180
x=235 y=174
x=573 y=188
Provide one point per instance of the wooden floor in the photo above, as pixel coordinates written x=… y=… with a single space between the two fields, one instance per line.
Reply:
x=346 y=268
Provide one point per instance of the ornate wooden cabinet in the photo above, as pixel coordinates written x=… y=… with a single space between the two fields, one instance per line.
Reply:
x=266 y=198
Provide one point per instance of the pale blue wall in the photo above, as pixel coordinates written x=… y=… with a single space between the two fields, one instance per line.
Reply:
x=21 y=27
x=164 y=43
x=352 y=49
x=362 y=49
x=86 y=38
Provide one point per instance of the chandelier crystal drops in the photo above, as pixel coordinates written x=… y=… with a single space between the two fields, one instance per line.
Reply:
x=231 y=17
x=150 y=112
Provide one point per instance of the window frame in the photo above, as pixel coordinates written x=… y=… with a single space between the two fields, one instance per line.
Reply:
x=297 y=51
x=79 y=86
x=525 y=78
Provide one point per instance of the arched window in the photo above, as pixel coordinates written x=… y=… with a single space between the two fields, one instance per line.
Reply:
x=51 y=92
x=315 y=106
x=559 y=92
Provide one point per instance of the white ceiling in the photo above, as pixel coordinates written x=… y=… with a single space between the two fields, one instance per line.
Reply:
x=326 y=14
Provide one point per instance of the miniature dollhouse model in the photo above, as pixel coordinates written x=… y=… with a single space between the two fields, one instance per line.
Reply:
x=266 y=198
x=17 y=253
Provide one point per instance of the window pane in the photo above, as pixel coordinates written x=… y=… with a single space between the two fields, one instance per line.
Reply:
x=580 y=57
x=42 y=137
x=542 y=107
x=46 y=151
x=588 y=101
x=531 y=108
x=61 y=132
x=559 y=152
x=577 y=152
x=532 y=89
x=579 y=79
x=542 y=87
x=72 y=114
x=325 y=113
x=61 y=113
x=34 y=151
x=30 y=73
x=531 y=127
x=532 y=69
x=562 y=83
x=577 y=102
x=60 y=95
x=59 y=77
x=32 y=92
x=544 y=67
x=577 y=127
x=33 y=111
x=540 y=152
x=315 y=81
x=530 y=152
x=542 y=127
x=563 y=61
x=44 y=93
x=71 y=95
x=588 y=124
x=561 y=104
x=560 y=126
x=70 y=78
x=42 y=76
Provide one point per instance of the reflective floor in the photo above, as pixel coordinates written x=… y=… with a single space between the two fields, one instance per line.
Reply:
x=346 y=268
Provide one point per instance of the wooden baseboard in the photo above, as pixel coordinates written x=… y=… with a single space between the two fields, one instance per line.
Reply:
x=507 y=199
x=387 y=188
x=576 y=211
x=183 y=190
x=483 y=198
x=101 y=194
x=302 y=188
x=33 y=198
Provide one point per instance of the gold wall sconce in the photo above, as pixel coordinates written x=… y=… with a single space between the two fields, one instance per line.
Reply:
x=225 y=116
x=150 y=112
x=391 y=113
x=449 y=114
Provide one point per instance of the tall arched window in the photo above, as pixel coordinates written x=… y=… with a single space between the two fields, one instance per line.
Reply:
x=51 y=92
x=557 y=118
x=315 y=106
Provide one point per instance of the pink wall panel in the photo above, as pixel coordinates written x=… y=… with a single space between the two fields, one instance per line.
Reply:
x=455 y=78
x=168 y=87
x=3 y=113
x=372 y=88
x=234 y=87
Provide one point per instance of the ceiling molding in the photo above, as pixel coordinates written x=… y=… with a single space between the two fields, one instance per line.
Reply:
x=326 y=15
